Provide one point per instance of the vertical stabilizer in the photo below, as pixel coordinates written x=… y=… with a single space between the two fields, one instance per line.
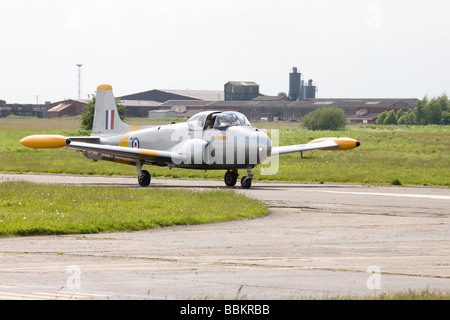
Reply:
x=106 y=117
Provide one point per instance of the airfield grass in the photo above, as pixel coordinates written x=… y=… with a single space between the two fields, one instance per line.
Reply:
x=424 y=294
x=398 y=155
x=31 y=209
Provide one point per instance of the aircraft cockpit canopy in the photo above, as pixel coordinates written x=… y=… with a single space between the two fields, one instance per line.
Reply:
x=229 y=119
x=217 y=120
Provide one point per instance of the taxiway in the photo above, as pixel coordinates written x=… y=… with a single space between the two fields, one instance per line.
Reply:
x=319 y=241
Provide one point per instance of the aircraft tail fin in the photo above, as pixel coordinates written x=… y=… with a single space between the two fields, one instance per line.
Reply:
x=106 y=117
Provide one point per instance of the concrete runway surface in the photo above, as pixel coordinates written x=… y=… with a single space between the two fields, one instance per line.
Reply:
x=319 y=241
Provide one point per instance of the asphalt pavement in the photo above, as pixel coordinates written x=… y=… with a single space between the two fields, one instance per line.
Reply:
x=319 y=241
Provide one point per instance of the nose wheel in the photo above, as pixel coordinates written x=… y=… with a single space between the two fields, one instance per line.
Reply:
x=246 y=182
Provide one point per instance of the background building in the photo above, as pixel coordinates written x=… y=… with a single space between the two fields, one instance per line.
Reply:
x=297 y=88
x=66 y=108
x=25 y=110
x=161 y=96
x=242 y=96
x=241 y=90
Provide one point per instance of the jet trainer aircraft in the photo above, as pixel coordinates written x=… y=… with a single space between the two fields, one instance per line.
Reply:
x=209 y=140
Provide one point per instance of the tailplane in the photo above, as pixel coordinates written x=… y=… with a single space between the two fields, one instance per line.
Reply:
x=106 y=117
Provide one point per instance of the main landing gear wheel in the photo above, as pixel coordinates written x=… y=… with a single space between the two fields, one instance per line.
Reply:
x=144 y=178
x=143 y=175
x=231 y=177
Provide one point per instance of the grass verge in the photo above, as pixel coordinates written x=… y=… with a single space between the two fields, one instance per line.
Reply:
x=30 y=209
x=426 y=294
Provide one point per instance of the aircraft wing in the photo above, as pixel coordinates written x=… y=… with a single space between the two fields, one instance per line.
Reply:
x=100 y=150
x=126 y=152
x=325 y=144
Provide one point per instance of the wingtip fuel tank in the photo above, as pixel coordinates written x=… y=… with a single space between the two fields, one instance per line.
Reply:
x=45 y=141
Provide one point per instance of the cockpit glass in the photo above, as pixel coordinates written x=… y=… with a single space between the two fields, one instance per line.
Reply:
x=229 y=119
x=197 y=121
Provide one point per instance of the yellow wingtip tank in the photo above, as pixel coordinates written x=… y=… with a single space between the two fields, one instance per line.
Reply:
x=44 y=141
x=344 y=143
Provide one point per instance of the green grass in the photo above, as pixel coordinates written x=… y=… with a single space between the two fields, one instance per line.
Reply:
x=31 y=209
x=397 y=155
x=414 y=295
x=406 y=155
x=426 y=294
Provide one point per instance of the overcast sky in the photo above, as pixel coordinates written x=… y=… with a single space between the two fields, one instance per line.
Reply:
x=351 y=49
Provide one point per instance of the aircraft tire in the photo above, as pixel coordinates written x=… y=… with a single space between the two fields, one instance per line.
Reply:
x=144 y=179
x=230 y=178
x=246 y=182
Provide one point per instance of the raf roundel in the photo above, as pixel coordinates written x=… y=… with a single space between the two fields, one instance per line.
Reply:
x=135 y=143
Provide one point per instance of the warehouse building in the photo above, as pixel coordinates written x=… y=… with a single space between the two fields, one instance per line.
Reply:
x=242 y=96
x=281 y=108
x=23 y=110
x=162 y=96
x=66 y=108
x=241 y=90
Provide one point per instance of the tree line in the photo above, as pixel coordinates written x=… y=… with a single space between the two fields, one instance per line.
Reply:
x=427 y=111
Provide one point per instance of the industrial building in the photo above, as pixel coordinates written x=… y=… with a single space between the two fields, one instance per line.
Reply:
x=282 y=109
x=26 y=110
x=241 y=90
x=66 y=108
x=297 y=88
x=242 y=96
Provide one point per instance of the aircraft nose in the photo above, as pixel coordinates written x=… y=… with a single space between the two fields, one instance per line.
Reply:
x=264 y=146
x=358 y=143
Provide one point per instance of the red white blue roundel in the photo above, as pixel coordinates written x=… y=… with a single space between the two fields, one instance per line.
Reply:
x=135 y=143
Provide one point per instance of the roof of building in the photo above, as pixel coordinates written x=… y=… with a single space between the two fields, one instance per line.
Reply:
x=243 y=83
x=374 y=102
x=185 y=103
x=317 y=103
x=59 y=107
x=271 y=98
x=62 y=105
x=140 y=103
x=165 y=95
x=207 y=95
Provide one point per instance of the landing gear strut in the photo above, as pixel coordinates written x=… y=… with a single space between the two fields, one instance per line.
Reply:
x=231 y=177
x=246 y=182
x=144 y=177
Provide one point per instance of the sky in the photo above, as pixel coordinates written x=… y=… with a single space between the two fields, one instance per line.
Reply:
x=350 y=48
